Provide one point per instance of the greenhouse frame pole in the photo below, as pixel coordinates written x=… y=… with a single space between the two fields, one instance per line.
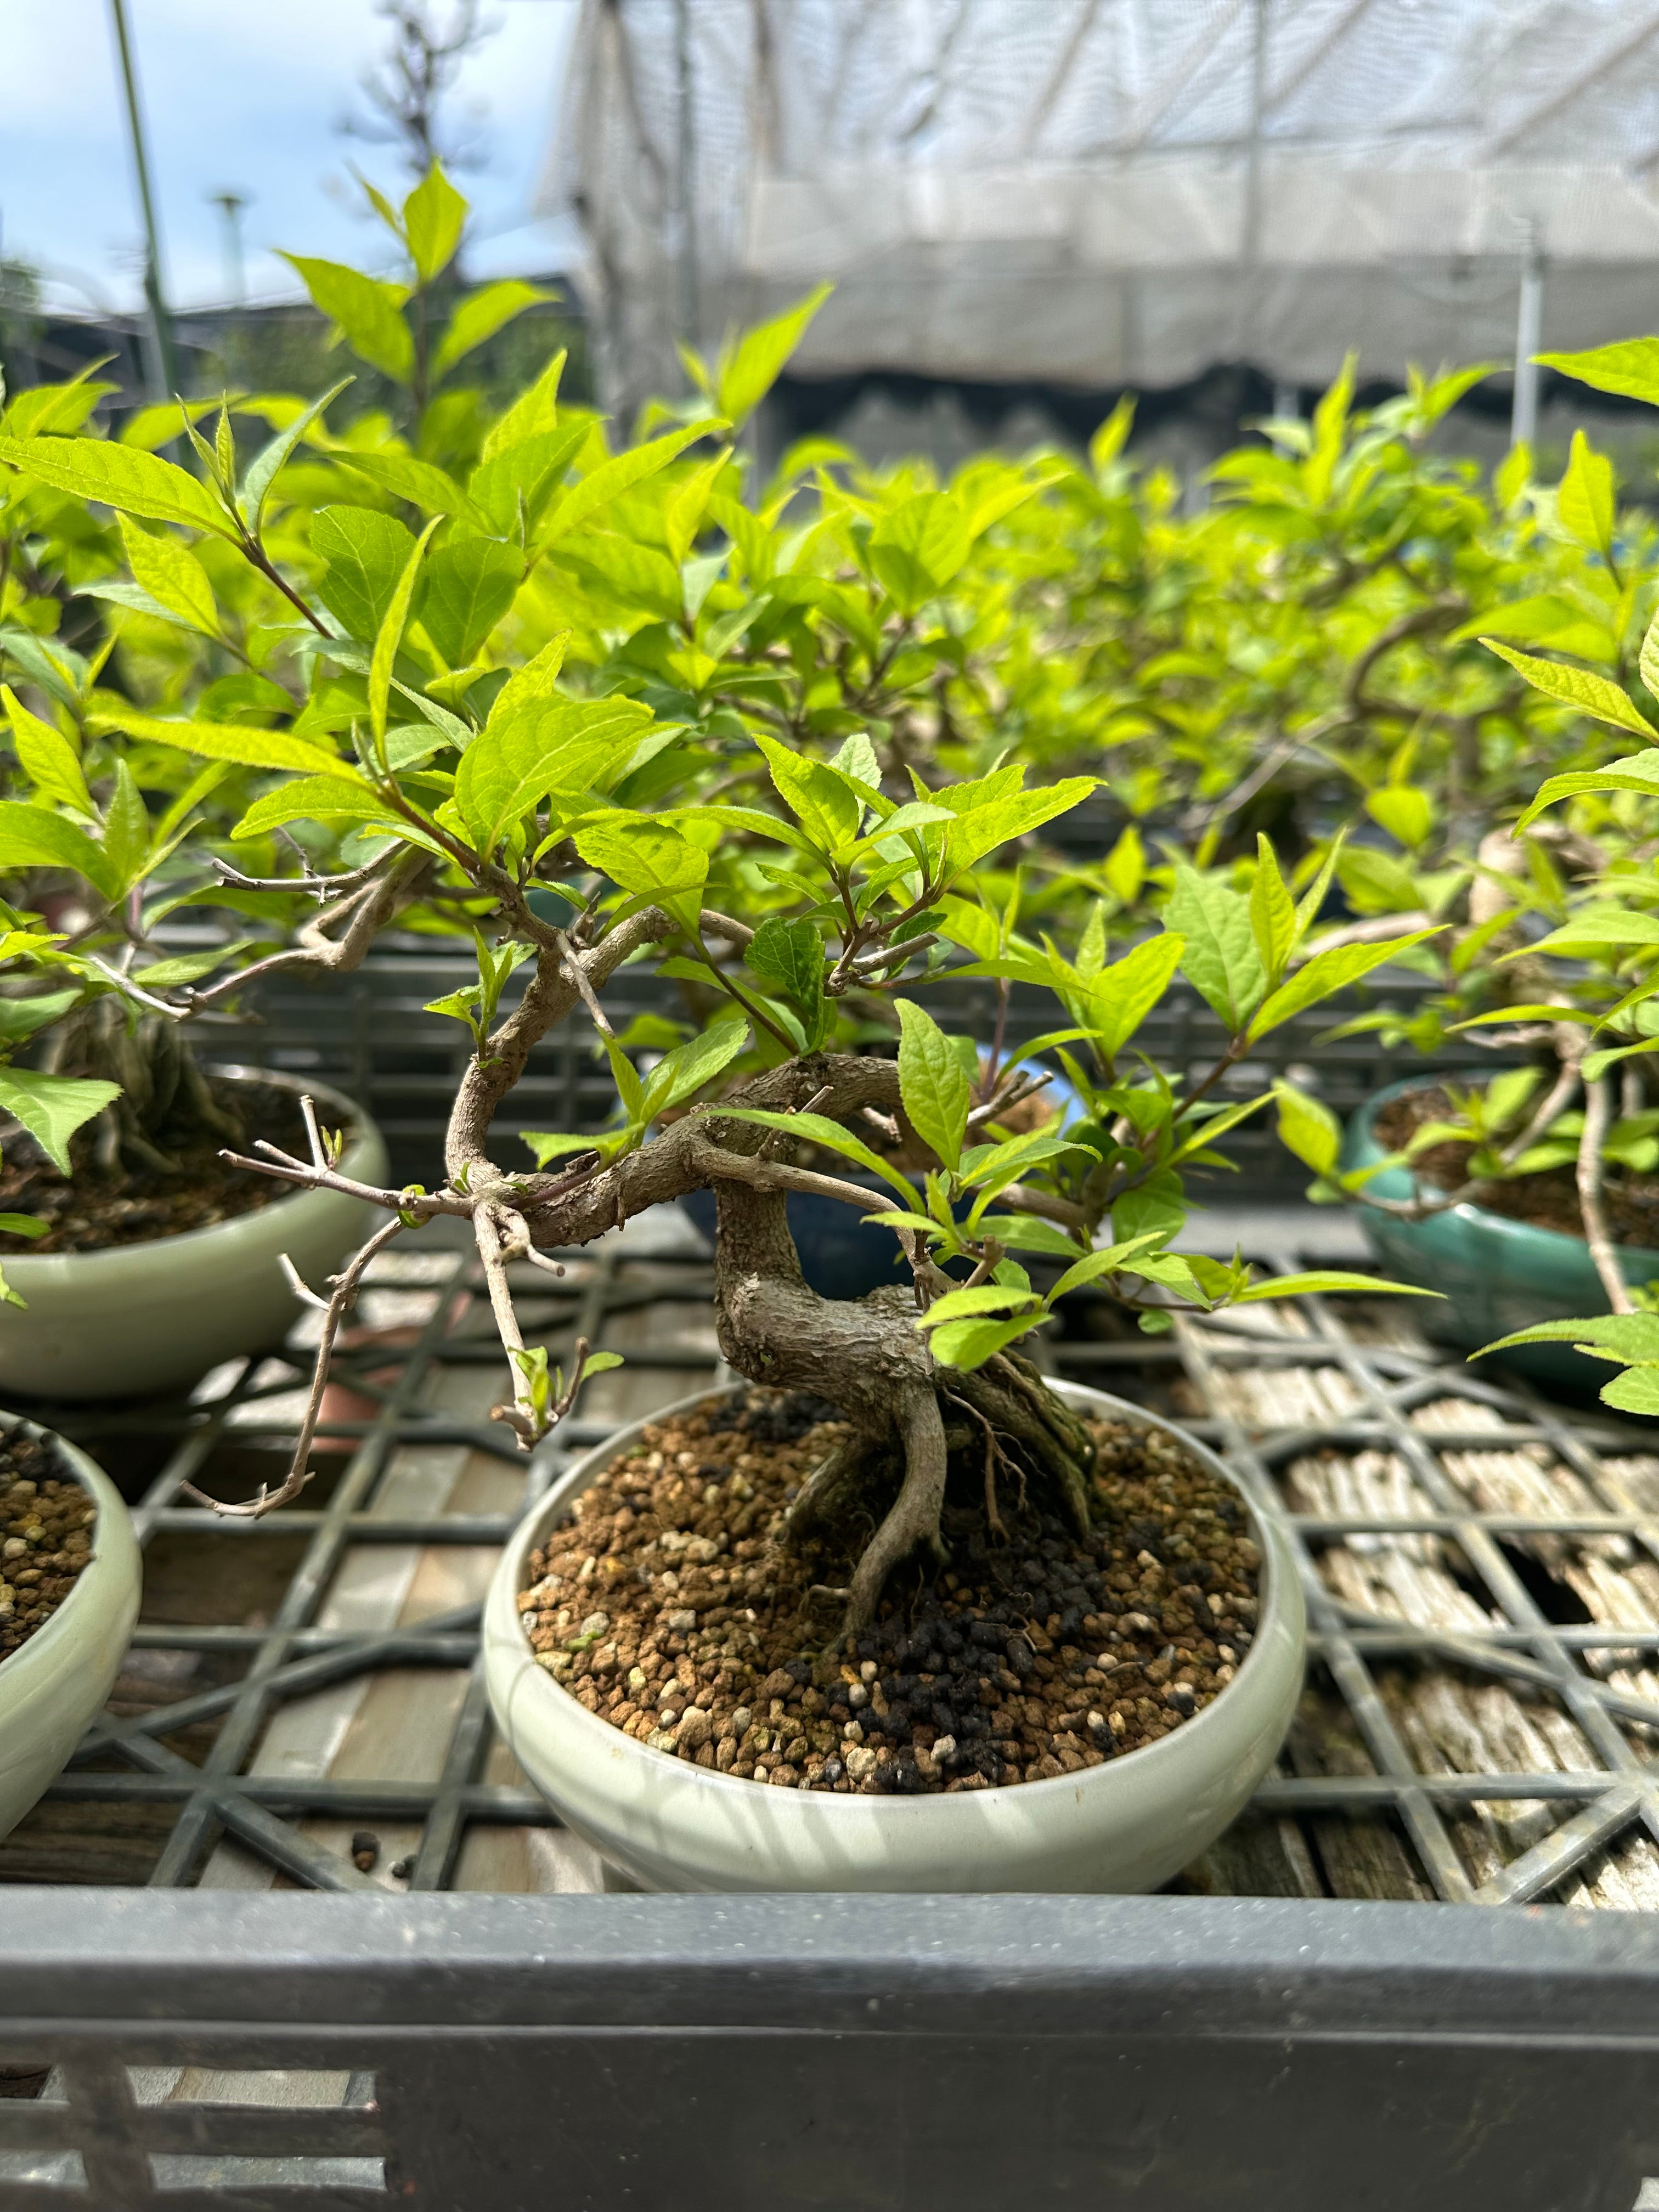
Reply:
x=163 y=366
x=1528 y=336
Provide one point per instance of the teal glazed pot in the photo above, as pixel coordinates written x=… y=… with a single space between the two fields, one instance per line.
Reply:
x=1497 y=1275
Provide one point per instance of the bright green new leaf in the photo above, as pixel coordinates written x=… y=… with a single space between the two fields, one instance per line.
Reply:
x=917 y=547
x=469 y=585
x=480 y=314
x=263 y=467
x=542 y=745
x=534 y=411
x=678 y=1075
x=52 y=1107
x=1328 y=972
x=1635 y=772
x=229 y=741
x=126 y=831
x=315 y=798
x=986 y=1298
x=365 y=553
x=1292 y=1286
x=749 y=369
x=120 y=477
x=1404 y=811
x=538 y=679
x=647 y=860
x=1219 y=956
x=787 y=956
x=173 y=575
x=367 y=313
x=966 y=1345
x=422 y=483
x=1273 y=911
x=1584 y=502
x=390 y=636
x=817 y=798
x=932 y=1083
x=1119 y=998
x=434 y=215
x=524 y=476
x=1630 y=366
x=47 y=756
x=819 y=1130
x=613 y=478
x=1308 y=1128
x=1576 y=687
x=35 y=837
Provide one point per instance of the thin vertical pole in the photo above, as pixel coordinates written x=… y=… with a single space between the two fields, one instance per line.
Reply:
x=161 y=364
x=1528 y=336
x=230 y=205
x=685 y=178
x=1250 y=242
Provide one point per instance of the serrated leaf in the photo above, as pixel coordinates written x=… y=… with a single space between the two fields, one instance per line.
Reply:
x=966 y=1345
x=1635 y=772
x=172 y=576
x=364 y=553
x=679 y=1075
x=390 y=636
x=1219 y=956
x=789 y=957
x=315 y=798
x=434 y=215
x=533 y=412
x=35 y=837
x=480 y=314
x=365 y=311
x=470 y=583
x=543 y=744
x=1328 y=972
x=1630 y=366
x=649 y=860
x=121 y=476
x=228 y=741
x=934 y=1084
x=829 y=813
x=1273 y=911
x=1575 y=687
x=47 y=756
x=620 y=474
x=1308 y=1128
x=820 y=1131
x=262 y=469
x=1584 y=501
x=52 y=1107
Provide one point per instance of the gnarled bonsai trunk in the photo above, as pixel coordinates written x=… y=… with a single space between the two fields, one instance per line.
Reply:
x=866 y=1358
x=166 y=1099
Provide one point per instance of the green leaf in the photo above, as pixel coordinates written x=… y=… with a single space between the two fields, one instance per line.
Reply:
x=1110 y=1260
x=818 y=798
x=1219 y=956
x=34 y=837
x=979 y=831
x=538 y=679
x=1273 y=911
x=613 y=478
x=1601 y=925
x=1636 y=1391
x=1575 y=687
x=52 y=1107
x=1585 y=501
x=365 y=311
x=21 y=1018
x=23 y=1225
x=315 y=798
x=749 y=369
x=120 y=477
x=1404 y=811
x=126 y=831
x=470 y=585
x=542 y=745
x=421 y=483
x=526 y=472
x=47 y=756
x=818 y=1130
x=263 y=467
x=680 y=1073
x=649 y=860
x=480 y=314
x=988 y=1298
x=966 y=1345
x=1635 y=772
x=533 y=412
x=1292 y=1286
x=1630 y=366
x=932 y=1083
x=789 y=957
x=390 y=636
x=434 y=215
x=1308 y=1128
x=918 y=546
x=1329 y=972
x=228 y=741
x=365 y=553
x=1119 y=998
x=172 y=576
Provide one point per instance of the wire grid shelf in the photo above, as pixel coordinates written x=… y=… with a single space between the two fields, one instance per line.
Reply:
x=1481 y=1570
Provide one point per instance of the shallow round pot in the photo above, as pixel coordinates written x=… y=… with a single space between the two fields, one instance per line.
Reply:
x=143 y=1318
x=1498 y=1274
x=1127 y=1824
x=54 y=1684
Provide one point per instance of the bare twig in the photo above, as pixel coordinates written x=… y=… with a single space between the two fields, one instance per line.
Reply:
x=346 y=1288
x=1598 y=1119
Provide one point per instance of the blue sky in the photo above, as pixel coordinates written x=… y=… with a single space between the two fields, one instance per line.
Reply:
x=246 y=95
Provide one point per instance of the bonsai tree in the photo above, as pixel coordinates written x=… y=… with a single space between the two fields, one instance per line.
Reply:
x=439 y=758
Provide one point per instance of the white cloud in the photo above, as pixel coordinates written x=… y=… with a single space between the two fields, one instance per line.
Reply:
x=244 y=94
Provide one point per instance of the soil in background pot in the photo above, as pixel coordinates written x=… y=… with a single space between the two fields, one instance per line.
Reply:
x=92 y=1210
x=668 y=1607
x=1549 y=1200
x=46 y=1535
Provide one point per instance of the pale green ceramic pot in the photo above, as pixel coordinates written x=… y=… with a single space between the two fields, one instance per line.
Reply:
x=1497 y=1275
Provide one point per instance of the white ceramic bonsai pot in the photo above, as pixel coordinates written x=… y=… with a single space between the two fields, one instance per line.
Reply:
x=144 y=1318
x=52 y=1686
x=669 y=1825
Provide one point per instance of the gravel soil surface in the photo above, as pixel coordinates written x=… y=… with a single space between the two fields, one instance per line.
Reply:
x=45 y=1536
x=668 y=1606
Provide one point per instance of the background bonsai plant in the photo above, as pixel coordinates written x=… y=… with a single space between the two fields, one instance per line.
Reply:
x=434 y=743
